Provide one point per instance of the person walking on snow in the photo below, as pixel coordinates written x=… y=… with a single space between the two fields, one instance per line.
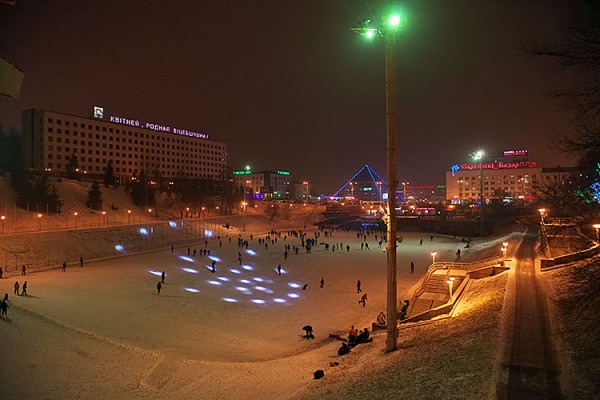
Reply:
x=358 y=284
x=158 y=288
x=363 y=300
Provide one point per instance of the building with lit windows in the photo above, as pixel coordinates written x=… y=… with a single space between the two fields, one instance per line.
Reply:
x=264 y=185
x=510 y=177
x=51 y=138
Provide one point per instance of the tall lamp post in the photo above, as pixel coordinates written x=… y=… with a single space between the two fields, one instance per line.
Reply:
x=433 y=254
x=3 y=218
x=244 y=204
x=305 y=183
x=404 y=190
x=542 y=212
x=388 y=32
x=478 y=156
x=596 y=227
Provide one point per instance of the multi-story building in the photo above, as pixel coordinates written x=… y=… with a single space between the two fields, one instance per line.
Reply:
x=422 y=194
x=508 y=177
x=51 y=139
x=264 y=185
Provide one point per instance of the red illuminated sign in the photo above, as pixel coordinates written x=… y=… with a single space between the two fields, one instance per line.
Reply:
x=514 y=153
x=499 y=165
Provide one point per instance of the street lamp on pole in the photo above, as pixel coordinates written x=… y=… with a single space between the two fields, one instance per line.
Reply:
x=596 y=227
x=478 y=156
x=404 y=190
x=305 y=183
x=244 y=204
x=388 y=31
x=542 y=212
x=39 y=222
x=450 y=283
x=433 y=254
x=3 y=218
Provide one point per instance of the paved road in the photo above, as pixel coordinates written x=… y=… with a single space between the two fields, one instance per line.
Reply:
x=529 y=368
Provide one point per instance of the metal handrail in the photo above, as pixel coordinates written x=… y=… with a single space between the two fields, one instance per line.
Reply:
x=454 y=265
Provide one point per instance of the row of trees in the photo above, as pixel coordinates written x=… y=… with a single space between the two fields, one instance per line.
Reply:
x=31 y=189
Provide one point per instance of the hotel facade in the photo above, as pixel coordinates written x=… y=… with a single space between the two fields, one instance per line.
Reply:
x=510 y=176
x=50 y=140
x=264 y=185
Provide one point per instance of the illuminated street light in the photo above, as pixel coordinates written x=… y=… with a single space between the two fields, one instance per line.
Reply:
x=388 y=31
x=433 y=254
x=542 y=212
x=596 y=227
x=3 y=218
x=244 y=204
x=307 y=195
x=450 y=283
x=105 y=218
x=478 y=156
x=39 y=222
x=75 y=214
x=128 y=217
x=404 y=190
x=504 y=249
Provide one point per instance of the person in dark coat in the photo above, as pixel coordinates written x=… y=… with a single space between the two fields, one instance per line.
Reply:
x=158 y=287
x=64 y=266
x=3 y=308
x=17 y=286
x=24 y=289
x=163 y=276
x=81 y=262
x=363 y=300
x=344 y=349
x=309 y=332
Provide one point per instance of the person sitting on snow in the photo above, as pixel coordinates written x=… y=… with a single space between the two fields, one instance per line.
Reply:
x=344 y=349
x=381 y=318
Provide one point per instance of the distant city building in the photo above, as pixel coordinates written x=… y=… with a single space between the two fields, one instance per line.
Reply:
x=264 y=185
x=424 y=194
x=51 y=139
x=509 y=177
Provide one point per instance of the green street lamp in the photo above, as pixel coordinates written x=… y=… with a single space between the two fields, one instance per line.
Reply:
x=478 y=156
x=388 y=31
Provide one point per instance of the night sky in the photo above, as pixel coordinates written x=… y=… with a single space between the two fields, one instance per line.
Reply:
x=287 y=85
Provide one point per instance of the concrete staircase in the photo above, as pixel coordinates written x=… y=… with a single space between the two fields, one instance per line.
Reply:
x=435 y=293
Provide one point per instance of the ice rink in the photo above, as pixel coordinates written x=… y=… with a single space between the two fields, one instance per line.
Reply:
x=102 y=331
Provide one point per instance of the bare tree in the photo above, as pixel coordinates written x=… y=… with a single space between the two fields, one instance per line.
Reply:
x=577 y=53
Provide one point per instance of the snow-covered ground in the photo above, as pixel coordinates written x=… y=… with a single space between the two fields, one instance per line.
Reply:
x=102 y=331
